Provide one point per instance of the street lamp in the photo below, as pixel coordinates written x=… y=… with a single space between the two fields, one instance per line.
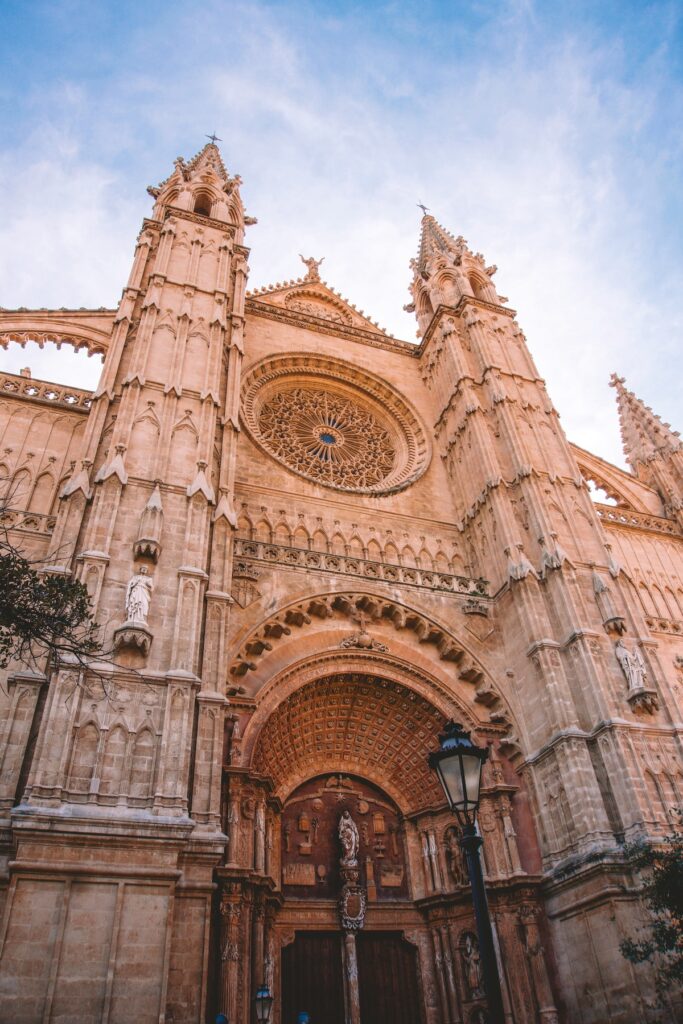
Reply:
x=264 y=1003
x=458 y=765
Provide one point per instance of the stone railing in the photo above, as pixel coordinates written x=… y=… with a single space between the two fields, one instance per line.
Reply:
x=44 y=391
x=362 y=568
x=614 y=516
x=31 y=522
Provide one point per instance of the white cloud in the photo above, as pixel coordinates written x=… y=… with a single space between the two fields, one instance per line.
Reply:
x=549 y=152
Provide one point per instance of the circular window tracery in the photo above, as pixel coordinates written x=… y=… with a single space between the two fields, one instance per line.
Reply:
x=327 y=437
x=332 y=424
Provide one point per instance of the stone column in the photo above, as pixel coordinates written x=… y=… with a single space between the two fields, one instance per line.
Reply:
x=260 y=835
x=426 y=863
x=449 y=974
x=440 y=976
x=351 y=990
x=547 y=1011
x=230 y=912
x=258 y=965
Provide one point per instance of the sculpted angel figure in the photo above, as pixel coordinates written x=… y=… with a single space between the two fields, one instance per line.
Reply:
x=138 y=596
x=313 y=266
x=349 y=839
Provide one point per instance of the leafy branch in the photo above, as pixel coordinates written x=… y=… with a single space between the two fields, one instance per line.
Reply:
x=662 y=867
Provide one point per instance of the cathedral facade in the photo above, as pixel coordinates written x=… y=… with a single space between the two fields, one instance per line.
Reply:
x=308 y=545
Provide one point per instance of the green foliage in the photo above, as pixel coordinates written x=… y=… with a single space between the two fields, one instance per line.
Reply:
x=42 y=613
x=662 y=867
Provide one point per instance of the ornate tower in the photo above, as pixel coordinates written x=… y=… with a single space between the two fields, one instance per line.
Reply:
x=530 y=527
x=147 y=511
x=653 y=450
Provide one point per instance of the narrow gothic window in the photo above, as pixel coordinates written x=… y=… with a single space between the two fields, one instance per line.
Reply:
x=202 y=204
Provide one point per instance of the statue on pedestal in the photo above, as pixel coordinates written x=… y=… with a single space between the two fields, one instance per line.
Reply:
x=138 y=596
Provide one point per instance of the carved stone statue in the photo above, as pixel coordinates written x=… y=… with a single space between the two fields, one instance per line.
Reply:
x=313 y=266
x=454 y=863
x=632 y=665
x=349 y=839
x=470 y=954
x=138 y=596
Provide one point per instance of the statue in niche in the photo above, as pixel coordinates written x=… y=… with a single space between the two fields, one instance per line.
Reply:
x=138 y=596
x=632 y=665
x=349 y=839
x=472 y=958
x=454 y=863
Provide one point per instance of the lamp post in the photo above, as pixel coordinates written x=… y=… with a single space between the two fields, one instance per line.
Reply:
x=264 y=1004
x=458 y=765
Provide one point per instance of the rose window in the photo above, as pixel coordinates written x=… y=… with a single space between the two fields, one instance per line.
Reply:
x=333 y=424
x=327 y=437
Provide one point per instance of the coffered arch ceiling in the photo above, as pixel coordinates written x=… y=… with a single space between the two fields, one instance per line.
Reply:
x=356 y=723
x=365 y=713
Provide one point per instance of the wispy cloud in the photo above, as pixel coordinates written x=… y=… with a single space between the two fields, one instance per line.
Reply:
x=547 y=138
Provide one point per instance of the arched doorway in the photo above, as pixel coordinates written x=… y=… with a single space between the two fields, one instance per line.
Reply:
x=328 y=972
x=351 y=732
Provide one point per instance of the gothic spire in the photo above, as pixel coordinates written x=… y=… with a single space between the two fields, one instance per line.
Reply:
x=444 y=271
x=203 y=185
x=435 y=241
x=643 y=434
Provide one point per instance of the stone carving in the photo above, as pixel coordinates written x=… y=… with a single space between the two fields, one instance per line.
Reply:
x=362 y=640
x=138 y=596
x=148 y=541
x=312 y=266
x=611 y=619
x=374 y=442
x=349 y=839
x=520 y=568
x=454 y=858
x=352 y=907
x=632 y=665
x=472 y=960
x=327 y=437
x=322 y=310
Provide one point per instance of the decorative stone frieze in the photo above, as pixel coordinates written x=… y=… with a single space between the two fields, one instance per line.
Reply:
x=349 y=565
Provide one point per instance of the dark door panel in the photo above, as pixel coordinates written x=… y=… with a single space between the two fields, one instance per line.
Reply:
x=312 y=978
x=387 y=977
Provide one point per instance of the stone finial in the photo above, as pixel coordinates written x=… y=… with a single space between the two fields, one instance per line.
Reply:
x=148 y=541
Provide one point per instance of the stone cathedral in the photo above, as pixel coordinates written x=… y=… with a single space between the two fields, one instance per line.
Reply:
x=308 y=545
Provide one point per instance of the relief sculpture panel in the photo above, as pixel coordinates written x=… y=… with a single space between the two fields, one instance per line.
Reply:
x=310 y=839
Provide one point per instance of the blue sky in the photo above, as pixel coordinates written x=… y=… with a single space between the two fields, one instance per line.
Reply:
x=548 y=134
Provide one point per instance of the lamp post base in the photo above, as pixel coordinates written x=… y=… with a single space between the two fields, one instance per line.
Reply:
x=470 y=843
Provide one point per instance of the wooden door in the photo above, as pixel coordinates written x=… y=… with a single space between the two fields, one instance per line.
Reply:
x=387 y=978
x=312 y=978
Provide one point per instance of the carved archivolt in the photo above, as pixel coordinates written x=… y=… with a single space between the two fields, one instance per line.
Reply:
x=369 y=609
x=325 y=606
x=329 y=422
